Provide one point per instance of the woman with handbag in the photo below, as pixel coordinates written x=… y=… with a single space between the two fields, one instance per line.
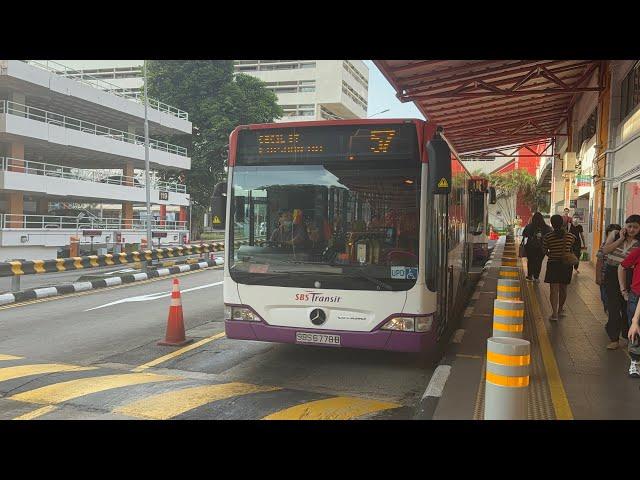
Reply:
x=616 y=248
x=558 y=245
x=533 y=234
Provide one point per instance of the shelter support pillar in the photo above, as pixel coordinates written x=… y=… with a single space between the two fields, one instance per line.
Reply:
x=602 y=135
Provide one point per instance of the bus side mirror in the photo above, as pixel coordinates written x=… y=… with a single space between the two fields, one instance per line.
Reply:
x=492 y=196
x=439 y=165
x=219 y=205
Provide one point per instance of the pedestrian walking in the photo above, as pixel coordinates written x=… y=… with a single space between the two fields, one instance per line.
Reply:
x=631 y=293
x=532 y=236
x=577 y=231
x=601 y=266
x=634 y=342
x=558 y=246
x=618 y=245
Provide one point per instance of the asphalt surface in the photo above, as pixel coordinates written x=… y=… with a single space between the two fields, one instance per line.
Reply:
x=112 y=331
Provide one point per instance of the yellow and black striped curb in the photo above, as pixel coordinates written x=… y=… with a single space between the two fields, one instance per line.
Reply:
x=38 y=293
x=8 y=269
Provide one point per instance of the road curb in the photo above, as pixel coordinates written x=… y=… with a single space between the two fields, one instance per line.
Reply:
x=45 y=292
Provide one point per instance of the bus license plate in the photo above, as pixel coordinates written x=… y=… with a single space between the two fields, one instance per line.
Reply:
x=321 y=338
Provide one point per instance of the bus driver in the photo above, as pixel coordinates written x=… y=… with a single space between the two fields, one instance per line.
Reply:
x=288 y=233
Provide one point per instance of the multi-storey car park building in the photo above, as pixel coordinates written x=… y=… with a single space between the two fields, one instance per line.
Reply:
x=66 y=142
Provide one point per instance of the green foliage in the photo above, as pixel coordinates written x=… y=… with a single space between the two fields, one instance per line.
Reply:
x=509 y=185
x=217 y=103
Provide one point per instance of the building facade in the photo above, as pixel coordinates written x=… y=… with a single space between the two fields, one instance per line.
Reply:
x=597 y=171
x=314 y=89
x=66 y=147
x=306 y=89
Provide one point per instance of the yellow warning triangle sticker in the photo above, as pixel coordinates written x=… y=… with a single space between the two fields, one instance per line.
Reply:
x=216 y=219
x=443 y=183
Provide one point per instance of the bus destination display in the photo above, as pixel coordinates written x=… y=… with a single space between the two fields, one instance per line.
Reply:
x=347 y=142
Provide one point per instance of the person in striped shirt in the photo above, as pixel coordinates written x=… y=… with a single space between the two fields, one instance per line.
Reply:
x=557 y=244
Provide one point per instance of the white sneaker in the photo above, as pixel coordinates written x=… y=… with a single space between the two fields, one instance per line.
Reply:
x=634 y=369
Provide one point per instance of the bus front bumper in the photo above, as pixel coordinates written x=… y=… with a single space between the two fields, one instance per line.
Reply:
x=377 y=340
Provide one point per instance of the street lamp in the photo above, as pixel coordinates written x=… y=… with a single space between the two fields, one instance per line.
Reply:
x=146 y=160
x=378 y=113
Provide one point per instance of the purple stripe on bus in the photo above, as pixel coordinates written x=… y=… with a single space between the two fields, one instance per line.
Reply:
x=376 y=340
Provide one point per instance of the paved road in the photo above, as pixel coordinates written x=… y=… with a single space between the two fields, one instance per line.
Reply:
x=76 y=357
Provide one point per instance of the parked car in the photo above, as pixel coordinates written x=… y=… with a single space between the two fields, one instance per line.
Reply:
x=120 y=180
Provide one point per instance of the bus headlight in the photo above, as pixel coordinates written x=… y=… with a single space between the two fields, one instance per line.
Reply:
x=421 y=324
x=240 y=313
x=404 y=324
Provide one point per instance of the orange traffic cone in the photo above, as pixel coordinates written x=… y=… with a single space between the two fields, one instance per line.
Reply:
x=175 y=324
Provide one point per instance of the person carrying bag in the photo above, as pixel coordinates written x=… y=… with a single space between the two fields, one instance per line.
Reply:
x=558 y=246
x=531 y=246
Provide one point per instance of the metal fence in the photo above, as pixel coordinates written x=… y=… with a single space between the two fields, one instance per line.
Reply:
x=79 y=76
x=32 y=113
x=29 y=167
x=44 y=222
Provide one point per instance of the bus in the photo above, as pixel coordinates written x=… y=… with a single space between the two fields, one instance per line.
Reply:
x=344 y=233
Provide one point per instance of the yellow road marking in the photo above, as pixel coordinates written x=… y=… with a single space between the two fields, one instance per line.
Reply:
x=170 y=404
x=9 y=373
x=171 y=355
x=100 y=290
x=63 y=391
x=9 y=357
x=38 y=412
x=558 y=394
x=336 y=408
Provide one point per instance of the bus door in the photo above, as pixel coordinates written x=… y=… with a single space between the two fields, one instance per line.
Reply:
x=438 y=273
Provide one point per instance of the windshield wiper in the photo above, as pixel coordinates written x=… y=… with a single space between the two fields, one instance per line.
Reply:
x=379 y=283
x=262 y=277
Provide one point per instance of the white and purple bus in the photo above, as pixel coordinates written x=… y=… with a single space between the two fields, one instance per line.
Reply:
x=346 y=233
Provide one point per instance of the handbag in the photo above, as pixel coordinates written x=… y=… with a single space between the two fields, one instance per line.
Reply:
x=521 y=251
x=569 y=258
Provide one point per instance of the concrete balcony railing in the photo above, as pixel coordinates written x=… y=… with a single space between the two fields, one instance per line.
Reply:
x=37 y=114
x=46 y=222
x=28 y=167
x=79 y=76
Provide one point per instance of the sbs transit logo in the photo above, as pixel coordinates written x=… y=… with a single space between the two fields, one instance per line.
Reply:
x=310 y=296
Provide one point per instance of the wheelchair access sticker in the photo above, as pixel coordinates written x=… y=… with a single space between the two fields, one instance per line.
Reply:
x=404 y=273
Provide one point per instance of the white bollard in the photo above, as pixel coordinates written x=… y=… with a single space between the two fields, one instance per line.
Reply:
x=507 y=379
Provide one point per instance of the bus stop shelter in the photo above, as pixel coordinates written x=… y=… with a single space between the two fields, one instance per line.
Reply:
x=495 y=108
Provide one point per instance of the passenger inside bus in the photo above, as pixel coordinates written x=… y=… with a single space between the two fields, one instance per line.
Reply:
x=288 y=232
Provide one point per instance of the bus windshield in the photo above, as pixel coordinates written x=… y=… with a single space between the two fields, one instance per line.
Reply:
x=329 y=219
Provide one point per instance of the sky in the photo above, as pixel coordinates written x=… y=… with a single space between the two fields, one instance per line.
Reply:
x=383 y=96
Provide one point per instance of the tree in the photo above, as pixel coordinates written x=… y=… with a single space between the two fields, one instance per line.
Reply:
x=217 y=102
x=514 y=185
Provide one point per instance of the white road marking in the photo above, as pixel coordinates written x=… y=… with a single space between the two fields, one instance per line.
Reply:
x=438 y=379
x=153 y=296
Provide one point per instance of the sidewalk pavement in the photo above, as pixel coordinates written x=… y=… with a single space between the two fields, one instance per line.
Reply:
x=595 y=379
